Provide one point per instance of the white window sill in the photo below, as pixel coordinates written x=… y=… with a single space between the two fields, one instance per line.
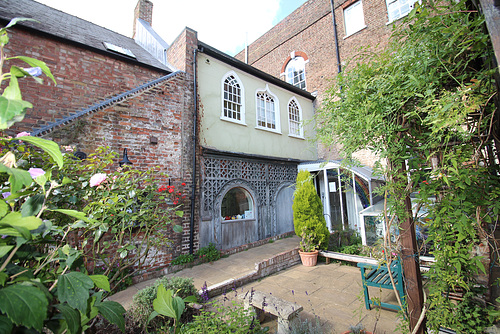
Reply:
x=278 y=132
x=354 y=33
x=296 y=136
x=232 y=120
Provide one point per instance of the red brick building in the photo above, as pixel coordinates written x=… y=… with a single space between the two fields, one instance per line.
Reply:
x=317 y=44
x=110 y=92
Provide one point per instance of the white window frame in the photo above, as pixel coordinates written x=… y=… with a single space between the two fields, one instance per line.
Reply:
x=292 y=123
x=398 y=6
x=276 y=111
x=350 y=12
x=302 y=71
x=242 y=99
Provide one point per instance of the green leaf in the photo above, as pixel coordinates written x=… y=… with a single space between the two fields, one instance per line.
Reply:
x=4 y=250
x=75 y=214
x=33 y=205
x=12 y=109
x=101 y=281
x=24 y=305
x=3 y=278
x=5 y=324
x=72 y=317
x=113 y=312
x=47 y=145
x=163 y=303
x=4 y=208
x=179 y=213
x=177 y=228
x=15 y=219
x=18 y=19
x=73 y=288
x=18 y=177
x=36 y=63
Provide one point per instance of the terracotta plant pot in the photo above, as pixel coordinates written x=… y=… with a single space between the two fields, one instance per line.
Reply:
x=309 y=259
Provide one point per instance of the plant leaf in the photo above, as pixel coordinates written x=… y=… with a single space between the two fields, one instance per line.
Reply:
x=36 y=63
x=177 y=228
x=4 y=250
x=113 y=312
x=5 y=324
x=75 y=214
x=163 y=303
x=101 y=281
x=15 y=219
x=18 y=177
x=24 y=305
x=47 y=145
x=72 y=317
x=33 y=205
x=73 y=288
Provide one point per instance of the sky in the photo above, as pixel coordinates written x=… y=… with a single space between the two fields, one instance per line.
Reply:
x=223 y=24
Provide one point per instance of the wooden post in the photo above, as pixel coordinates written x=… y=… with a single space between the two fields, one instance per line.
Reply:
x=411 y=268
x=491 y=11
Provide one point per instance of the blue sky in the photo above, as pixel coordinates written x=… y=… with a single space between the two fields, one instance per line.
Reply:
x=223 y=24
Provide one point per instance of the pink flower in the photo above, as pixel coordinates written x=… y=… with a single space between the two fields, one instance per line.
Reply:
x=97 y=179
x=23 y=134
x=36 y=172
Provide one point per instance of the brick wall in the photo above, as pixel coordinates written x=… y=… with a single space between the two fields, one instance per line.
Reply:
x=83 y=77
x=309 y=29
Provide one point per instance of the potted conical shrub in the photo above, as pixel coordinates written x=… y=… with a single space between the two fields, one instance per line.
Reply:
x=308 y=220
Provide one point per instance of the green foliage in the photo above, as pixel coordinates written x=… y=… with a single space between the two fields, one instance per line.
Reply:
x=225 y=318
x=43 y=286
x=427 y=103
x=142 y=305
x=208 y=253
x=183 y=259
x=308 y=211
x=168 y=304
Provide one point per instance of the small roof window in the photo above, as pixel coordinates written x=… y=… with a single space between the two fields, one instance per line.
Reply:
x=118 y=49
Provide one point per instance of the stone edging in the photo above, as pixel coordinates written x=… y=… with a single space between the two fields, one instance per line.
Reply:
x=262 y=269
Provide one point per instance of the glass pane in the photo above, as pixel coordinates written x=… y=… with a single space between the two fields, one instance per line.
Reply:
x=237 y=204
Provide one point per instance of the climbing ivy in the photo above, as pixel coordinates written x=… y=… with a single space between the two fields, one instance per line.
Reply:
x=425 y=106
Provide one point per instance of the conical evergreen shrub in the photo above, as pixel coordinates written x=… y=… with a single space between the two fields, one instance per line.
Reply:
x=308 y=210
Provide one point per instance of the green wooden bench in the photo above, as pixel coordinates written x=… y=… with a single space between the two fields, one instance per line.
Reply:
x=378 y=276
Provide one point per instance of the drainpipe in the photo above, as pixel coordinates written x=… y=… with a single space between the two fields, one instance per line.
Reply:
x=195 y=135
x=336 y=37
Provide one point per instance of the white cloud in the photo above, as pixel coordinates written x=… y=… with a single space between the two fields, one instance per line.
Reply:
x=223 y=24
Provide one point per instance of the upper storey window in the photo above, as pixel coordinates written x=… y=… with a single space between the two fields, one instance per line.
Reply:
x=354 y=19
x=232 y=102
x=296 y=72
x=267 y=115
x=295 y=118
x=396 y=9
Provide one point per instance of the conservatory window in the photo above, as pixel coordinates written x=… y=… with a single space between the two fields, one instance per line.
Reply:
x=237 y=204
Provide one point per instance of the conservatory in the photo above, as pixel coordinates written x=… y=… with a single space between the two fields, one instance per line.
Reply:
x=345 y=192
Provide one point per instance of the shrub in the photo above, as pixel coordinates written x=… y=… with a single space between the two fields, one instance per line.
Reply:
x=308 y=210
x=142 y=302
x=183 y=259
x=225 y=319
x=208 y=253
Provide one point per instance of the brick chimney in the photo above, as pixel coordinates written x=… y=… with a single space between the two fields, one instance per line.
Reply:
x=143 y=10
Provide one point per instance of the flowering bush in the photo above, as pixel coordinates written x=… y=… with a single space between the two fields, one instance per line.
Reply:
x=43 y=286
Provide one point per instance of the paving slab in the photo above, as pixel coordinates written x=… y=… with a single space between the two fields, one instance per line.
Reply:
x=331 y=292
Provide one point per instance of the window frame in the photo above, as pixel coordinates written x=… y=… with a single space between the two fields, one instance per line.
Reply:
x=388 y=2
x=276 y=111
x=299 y=122
x=348 y=10
x=242 y=99
x=290 y=80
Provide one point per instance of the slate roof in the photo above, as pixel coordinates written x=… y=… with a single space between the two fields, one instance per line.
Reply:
x=71 y=28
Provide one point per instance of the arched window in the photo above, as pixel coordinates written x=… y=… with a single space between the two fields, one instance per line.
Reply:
x=267 y=110
x=232 y=102
x=295 y=118
x=237 y=204
x=296 y=72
